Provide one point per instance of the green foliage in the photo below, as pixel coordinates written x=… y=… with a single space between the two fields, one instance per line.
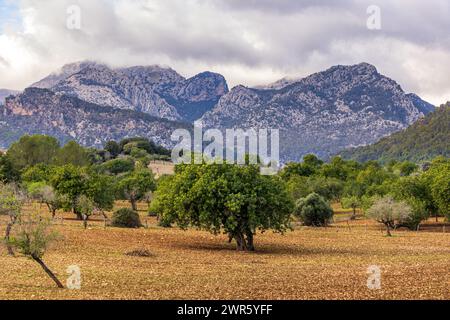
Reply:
x=33 y=235
x=237 y=200
x=424 y=140
x=69 y=180
x=118 y=166
x=8 y=173
x=313 y=211
x=72 y=153
x=37 y=173
x=406 y=168
x=113 y=148
x=150 y=147
x=100 y=189
x=134 y=185
x=11 y=200
x=328 y=188
x=126 y=218
x=440 y=187
x=32 y=150
x=352 y=202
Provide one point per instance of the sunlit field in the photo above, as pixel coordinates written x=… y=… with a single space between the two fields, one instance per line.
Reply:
x=307 y=263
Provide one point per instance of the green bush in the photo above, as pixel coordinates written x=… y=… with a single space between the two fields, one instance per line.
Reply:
x=313 y=211
x=126 y=218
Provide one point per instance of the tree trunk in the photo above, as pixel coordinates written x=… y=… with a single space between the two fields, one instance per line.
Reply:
x=353 y=217
x=388 y=230
x=7 y=236
x=250 y=245
x=77 y=213
x=85 y=221
x=244 y=242
x=48 y=271
x=239 y=242
x=134 y=204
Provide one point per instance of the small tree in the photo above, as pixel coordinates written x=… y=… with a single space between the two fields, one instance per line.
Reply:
x=11 y=202
x=135 y=185
x=86 y=208
x=314 y=211
x=352 y=202
x=390 y=213
x=47 y=195
x=32 y=239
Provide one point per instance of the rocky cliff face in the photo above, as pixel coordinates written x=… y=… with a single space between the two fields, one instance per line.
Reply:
x=328 y=111
x=41 y=111
x=160 y=92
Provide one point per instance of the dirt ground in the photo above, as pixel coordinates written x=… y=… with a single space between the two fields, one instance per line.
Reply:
x=307 y=263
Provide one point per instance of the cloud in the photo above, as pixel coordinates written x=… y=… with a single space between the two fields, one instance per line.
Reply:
x=250 y=42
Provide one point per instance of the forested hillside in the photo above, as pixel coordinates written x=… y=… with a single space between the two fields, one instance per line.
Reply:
x=424 y=140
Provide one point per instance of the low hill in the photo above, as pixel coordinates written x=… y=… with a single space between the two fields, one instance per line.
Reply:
x=424 y=140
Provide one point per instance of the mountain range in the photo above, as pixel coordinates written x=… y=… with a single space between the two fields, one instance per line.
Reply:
x=342 y=107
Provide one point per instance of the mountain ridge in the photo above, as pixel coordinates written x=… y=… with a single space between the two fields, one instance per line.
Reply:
x=323 y=113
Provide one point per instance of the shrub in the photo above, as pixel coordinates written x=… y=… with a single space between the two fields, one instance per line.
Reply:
x=313 y=211
x=126 y=218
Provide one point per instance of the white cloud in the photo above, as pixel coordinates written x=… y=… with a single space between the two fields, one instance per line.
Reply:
x=250 y=42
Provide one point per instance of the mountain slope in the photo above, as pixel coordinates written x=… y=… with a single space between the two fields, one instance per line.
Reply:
x=41 y=111
x=324 y=113
x=424 y=140
x=6 y=93
x=158 y=91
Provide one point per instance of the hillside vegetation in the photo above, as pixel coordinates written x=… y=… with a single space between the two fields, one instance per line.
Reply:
x=424 y=140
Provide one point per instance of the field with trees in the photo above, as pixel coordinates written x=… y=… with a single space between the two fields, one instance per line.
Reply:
x=136 y=227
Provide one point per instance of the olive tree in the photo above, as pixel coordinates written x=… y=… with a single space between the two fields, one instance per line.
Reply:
x=32 y=237
x=352 y=202
x=135 y=185
x=236 y=200
x=389 y=212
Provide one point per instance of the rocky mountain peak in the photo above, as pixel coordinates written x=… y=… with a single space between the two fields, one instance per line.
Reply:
x=324 y=112
x=156 y=90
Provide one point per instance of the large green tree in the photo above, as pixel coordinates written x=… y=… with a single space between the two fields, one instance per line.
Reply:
x=31 y=150
x=70 y=181
x=72 y=153
x=237 y=200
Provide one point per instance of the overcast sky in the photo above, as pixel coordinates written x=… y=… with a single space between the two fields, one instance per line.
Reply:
x=250 y=42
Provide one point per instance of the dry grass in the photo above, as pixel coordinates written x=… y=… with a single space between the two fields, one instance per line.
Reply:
x=160 y=168
x=324 y=263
